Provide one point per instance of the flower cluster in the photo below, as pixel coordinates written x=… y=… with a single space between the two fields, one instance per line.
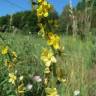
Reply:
x=4 y=50
x=10 y=59
x=54 y=40
x=12 y=78
x=47 y=57
x=43 y=8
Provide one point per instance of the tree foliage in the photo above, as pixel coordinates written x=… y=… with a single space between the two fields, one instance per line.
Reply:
x=84 y=16
x=27 y=21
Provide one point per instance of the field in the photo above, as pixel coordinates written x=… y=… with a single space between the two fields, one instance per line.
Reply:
x=48 y=51
x=78 y=64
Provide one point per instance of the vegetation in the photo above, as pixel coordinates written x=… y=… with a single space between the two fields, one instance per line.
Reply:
x=77 y=64
x=58 y=61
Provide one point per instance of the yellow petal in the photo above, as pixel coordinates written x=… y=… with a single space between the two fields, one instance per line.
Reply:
x=46 y=14
x=53 y=59
x=56 y=46
x=48 y=64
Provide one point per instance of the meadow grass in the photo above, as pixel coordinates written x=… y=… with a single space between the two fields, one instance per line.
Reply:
x=76 y=61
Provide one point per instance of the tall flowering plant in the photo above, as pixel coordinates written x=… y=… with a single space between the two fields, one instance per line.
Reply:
x=49 y=56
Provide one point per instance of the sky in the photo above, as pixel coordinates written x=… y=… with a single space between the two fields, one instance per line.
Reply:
x=13 y=6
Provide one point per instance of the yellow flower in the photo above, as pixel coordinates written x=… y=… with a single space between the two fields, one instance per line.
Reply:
x=40 y=11
x=5 y=51
x=54 y=40
x=12 y=78
x=51 y=92
x=46 y=5
x=43 y=8
x=46 y=14
x=47 y=57
x=21 y=88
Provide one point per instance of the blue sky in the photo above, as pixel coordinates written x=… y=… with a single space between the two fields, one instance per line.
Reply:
x=13 y=6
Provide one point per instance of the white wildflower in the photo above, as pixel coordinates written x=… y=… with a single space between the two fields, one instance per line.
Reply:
x=76 y=93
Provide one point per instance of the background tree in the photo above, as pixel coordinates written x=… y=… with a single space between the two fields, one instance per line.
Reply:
x=85 y=15
x=65 y=21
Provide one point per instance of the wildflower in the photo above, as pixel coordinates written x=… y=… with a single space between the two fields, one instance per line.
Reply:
x=5 y=51
x=43 y=8
x=76 y=93
x=29 y=86
x=37 y=78
x=46 y=14
x=54 y=40
x=47 y=57
x=51 y=92
x=42 y=12
x=39 y=11
x=21 y=88
x=12 y=78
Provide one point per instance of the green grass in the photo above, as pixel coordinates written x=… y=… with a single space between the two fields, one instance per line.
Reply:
x=76 y=61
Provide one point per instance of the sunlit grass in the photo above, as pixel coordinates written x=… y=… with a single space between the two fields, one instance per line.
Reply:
x=75 y=62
